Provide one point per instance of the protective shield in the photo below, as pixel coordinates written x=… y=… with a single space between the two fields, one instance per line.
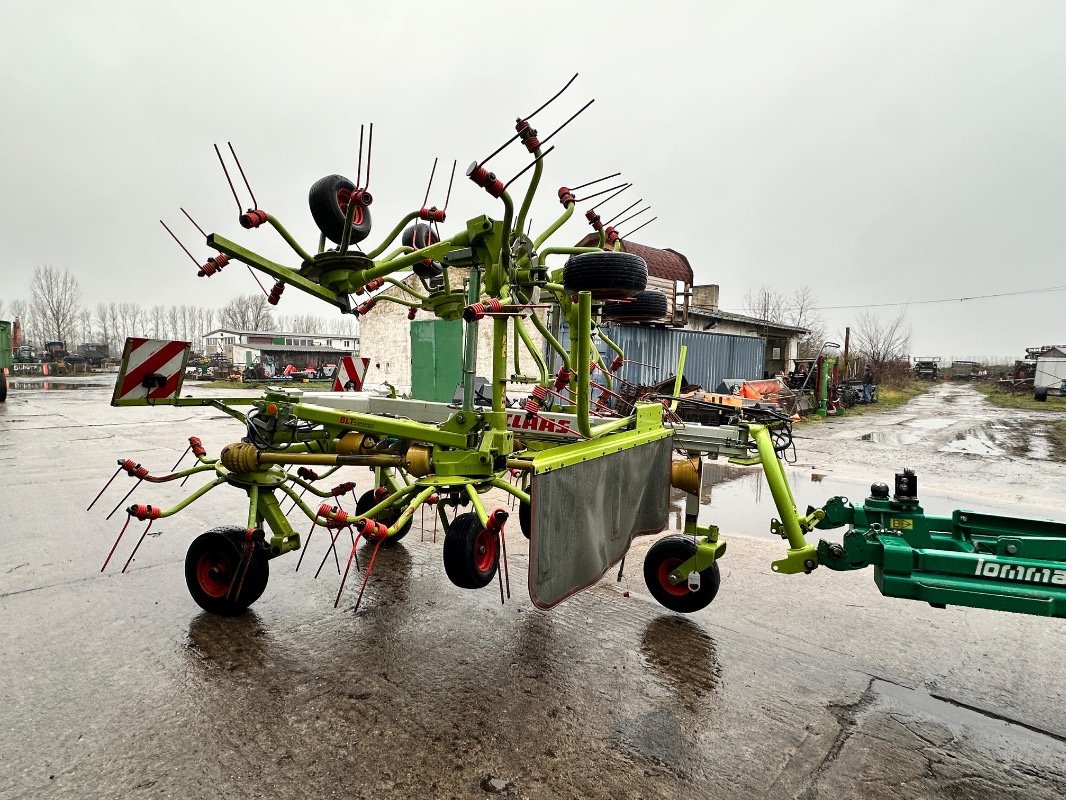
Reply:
x=585 y=514
x=152 y=371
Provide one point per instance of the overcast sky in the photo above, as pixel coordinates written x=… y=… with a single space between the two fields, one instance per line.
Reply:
x=876 y=152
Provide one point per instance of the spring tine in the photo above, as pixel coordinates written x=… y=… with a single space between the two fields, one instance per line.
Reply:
x=93 y=503
x=115 y=545
x=124 y=499
x=597 y=194
x=624 y=210
x=369 y=152
x=526 y=168
x=448 y=196
x=552 y=98
x=306 y=544
x=649 y=222
x=255 y=277
x=302 y=492
x=242 y=569
x=183 y=247
x=137 y=546
x=175 y=467
x=333 y=546
x=347 y=568
x=189 y=217
x=366 y=576
x=496 y=152
x=506 y=571
x=613 y=196
x=499 y=577
x=633 y=216
x=359 y=172
x=429 y=185
x=247 y=185
x=572 y=118
x=225 y=171
x=598 y=180
x=322 y=563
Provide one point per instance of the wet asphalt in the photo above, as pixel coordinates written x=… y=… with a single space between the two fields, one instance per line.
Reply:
x=117 y=685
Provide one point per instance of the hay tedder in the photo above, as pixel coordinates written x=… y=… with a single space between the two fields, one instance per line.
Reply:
x=588 y=470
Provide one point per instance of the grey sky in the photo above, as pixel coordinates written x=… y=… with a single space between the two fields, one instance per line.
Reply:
x=874 y=151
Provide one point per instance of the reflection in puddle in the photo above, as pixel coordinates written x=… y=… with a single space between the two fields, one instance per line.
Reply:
x=737 y=501
x=681 y=651
x=53 y=386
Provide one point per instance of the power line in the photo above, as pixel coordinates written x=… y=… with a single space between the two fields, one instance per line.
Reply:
x=938 y=300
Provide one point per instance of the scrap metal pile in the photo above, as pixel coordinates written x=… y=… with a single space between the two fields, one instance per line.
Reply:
x=589 y=468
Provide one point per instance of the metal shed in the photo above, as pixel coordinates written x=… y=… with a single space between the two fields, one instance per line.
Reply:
x=1050 y=371
x=711 y=357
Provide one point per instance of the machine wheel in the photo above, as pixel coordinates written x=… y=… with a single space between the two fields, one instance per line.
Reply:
x=328 y=199
x=665 y=556
x=418 y=236
x=211 y=564
x=471 y=553
x=388 y=517
x=609 y=274
x=3 y=387
x=1040 y=395
x=647 y=305
x=525 y=521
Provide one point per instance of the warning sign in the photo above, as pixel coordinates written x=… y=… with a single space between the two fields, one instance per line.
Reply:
x=350 y=374
x=152 y=371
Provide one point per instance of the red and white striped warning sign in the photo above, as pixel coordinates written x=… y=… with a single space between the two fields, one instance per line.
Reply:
x=152 y=370
x=350 y=374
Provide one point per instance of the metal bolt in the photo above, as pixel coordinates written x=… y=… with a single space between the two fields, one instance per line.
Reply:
x=1012 y=549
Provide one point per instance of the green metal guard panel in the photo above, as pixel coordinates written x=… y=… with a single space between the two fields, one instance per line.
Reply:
x=436 y=359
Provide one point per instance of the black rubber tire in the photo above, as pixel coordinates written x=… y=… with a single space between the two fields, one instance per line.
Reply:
x=525 y=521
x=329 y=208
x=1040 y=395
x=608 y=274
x=366 y=502
x=210 y=565
x=643 y=306
x=666 y=555
x=471 y=553
x=3 y=387
x=418 y=236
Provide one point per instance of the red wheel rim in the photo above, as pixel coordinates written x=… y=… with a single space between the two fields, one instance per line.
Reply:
x=213 y=574
x=484 y=551
x=665 y=568
x=344 y=197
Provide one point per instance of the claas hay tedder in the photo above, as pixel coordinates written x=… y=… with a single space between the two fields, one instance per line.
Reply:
x=588 y=470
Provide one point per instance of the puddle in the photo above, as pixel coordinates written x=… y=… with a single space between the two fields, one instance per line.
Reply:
x=738 y=501
x=892 y=437
x=930 y=424
x=53 y=386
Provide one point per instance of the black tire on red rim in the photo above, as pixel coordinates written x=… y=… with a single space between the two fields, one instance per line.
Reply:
x=328 y=199
x=664 y=557
x=214 y=561
x=367 y=500
x=471 y=553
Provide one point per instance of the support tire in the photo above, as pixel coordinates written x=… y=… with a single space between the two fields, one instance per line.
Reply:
x=328 y=199
x=471 y=553
x=607 y=274
x=665 y=556
x=3 y=387
x=643 y=307
x=212 y=562
x=388 y=517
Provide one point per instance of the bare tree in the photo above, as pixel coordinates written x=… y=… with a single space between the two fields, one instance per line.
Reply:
x=802 y=312
x=56 y=298
x=766 y=304
x=881 y=341
x=249 y=312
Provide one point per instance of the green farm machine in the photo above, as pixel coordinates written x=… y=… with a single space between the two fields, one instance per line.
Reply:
x=588 y=471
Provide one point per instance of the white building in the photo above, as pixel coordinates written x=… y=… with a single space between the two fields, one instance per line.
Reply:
x=245 y=348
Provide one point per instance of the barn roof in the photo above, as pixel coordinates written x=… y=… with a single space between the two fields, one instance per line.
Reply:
x=662 y=263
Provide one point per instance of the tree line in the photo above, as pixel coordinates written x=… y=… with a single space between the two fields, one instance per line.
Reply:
x=55 y=311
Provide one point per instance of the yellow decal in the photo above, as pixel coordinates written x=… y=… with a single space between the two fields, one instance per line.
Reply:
x=901 y=524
